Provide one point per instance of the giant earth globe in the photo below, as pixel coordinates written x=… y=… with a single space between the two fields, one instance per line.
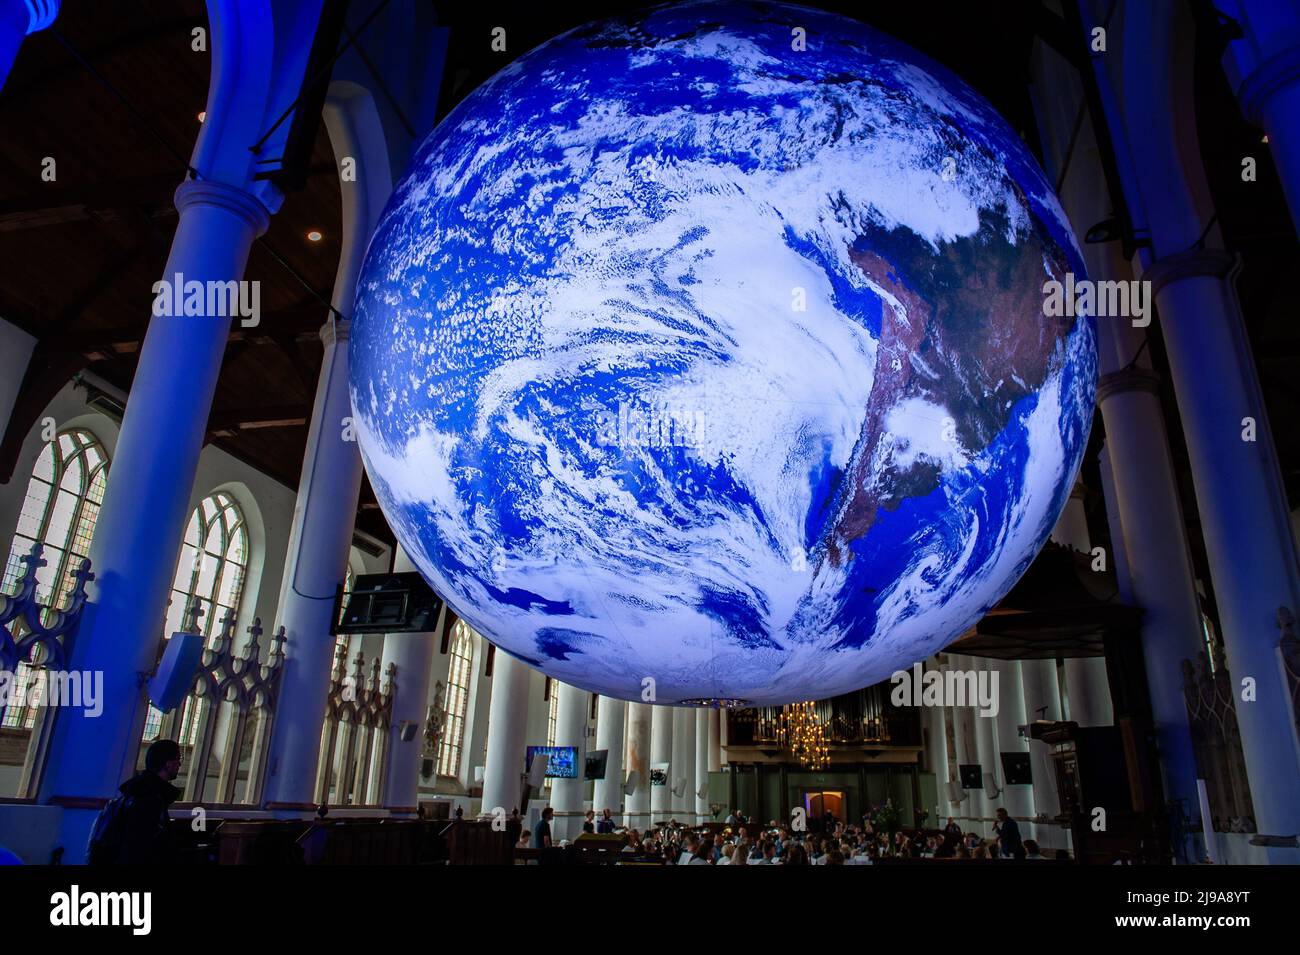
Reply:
x=701 y=356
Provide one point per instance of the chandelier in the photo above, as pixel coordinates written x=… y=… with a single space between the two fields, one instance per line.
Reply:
x=804 y=734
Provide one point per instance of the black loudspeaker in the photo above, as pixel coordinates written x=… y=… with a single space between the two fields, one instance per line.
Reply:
x=1016 y=770
x=971 y=776
x=426 y=768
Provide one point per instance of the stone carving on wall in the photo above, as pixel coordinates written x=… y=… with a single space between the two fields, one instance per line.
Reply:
x=1216 y=739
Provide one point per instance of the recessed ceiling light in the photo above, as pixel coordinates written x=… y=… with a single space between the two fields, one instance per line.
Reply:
x=314 y=236
x=203 y=115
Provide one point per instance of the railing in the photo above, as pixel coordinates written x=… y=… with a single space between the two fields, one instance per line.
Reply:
x=354 y=739
x=35 y=647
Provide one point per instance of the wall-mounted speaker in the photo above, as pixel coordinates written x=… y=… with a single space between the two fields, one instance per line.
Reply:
x=174 y=678
x=537 y=771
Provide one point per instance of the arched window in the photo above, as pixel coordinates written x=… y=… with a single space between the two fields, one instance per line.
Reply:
x=60 y=510
x=457 y=700
x=212 y=565
x=210 y=571
x=553 y=715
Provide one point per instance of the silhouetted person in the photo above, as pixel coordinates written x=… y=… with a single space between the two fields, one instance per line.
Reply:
x=542 y=831
x=132 y=829
x=1009 y=836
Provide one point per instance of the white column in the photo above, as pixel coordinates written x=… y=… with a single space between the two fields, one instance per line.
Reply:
x=638 y=761
x=142 y=520
x=507 y=732
x=19 y=19
x=986 y=743
x=1148 y=532
x=683 y=761
x=570 y=730
x=1043 y=701
x=412 y=655
x=325 y=510
x=1264 y=68
x=938 y=761
x=607 y=793
x=702 y=813
x=317 y=561
x=1239 y=491
x=688 y=769
x=1244 y=518
x=1086 y=685
x=1017 y=800
x=973 y=807
x=661 y=752
x=715 y=740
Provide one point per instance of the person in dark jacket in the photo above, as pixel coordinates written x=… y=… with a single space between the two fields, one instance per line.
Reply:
x=148 y=795
x=1009 y=836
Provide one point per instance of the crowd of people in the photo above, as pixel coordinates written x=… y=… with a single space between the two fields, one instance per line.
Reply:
x=828 y=842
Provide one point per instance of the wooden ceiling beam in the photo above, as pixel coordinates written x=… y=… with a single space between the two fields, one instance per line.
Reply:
x=227 y=422
x=55 y=206
x=303 y=319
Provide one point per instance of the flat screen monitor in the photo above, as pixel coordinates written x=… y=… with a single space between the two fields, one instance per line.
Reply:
x=563 y=763
x=596 y=761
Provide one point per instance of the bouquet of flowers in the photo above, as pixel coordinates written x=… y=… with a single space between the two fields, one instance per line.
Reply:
x=887 y=818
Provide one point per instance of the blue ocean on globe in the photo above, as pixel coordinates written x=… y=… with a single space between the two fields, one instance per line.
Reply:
x=684 y=354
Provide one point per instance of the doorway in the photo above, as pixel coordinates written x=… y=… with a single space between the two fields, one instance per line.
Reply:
x=817 y=803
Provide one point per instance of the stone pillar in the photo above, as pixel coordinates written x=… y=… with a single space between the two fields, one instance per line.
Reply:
x=683 y=762
x=938 y=762
x=325 y=510
x=19 y=19
x=715 y=740
x=1264 y=69
x=638 y=761
x=1239 y=493
x=1157 y=553
x=317 y=561
x=142 y=521
x=986 y=742
x=412 y=655
x=1119 y=551
x=507 y=734
x=1244 y=517
x=1042 y=700
x=702 y=813
x=1018 y=800
x=661 y=752
x=1087 y=689
x=973 y=807
x=570 y=730
x=608 y=792
x=1148 y=533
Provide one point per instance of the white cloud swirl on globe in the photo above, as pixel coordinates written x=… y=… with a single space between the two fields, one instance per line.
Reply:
x=624 y=225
